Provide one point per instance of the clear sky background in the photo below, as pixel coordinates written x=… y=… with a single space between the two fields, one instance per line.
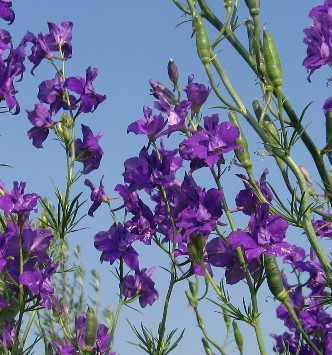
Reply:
x=130 y=42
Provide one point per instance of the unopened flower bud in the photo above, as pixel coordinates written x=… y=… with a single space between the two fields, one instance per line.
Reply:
x=196 y=248
x=159 y=90
x=66 y=120
x=62 y=132
x=173 y=72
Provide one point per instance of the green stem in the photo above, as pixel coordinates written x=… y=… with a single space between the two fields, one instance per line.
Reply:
x=255 y=322
x=27 y=328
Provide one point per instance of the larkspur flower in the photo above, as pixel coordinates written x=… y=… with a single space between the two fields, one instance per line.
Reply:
x=6 y=12
x=98 y=195
x=52 y=92
x=220 y=254
x=150 y=170
x=115 y=244
x=39 y=283
x=197 y=93
x=18 y=202
x=142 y=285
x=246 y=200
x=209 y=144
x=176 y=115
x=151 y=126
x=88 y=150
x=89 y=99
x=57 y=40
x=318 y=38
x=41 y=119
x=266 y=235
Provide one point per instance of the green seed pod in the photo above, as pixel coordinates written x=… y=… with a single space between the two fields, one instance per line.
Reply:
x=206 y=346
x=91 y=329
x=202 y=40
x=227 y=318
x=273 y=277
x=328 y=126
x=242 y=156
x=238 y=336
x=253 y=6
x=272 y=60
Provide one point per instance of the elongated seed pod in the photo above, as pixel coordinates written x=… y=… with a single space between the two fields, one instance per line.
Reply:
x=238 y=336
x=273 y=277
x=272 y=60
x=91 y=329
x=242 y=156
x=202 y=40
x=206 y=347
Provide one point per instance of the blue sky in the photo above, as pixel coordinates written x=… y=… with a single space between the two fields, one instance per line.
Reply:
x=130 y=42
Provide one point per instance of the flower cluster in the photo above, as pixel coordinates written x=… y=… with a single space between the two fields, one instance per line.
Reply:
x=186 y=214
x=73 y=95
x=24 y=258
x=307 y=299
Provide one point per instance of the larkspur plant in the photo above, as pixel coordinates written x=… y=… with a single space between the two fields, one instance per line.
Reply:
x=163 y=203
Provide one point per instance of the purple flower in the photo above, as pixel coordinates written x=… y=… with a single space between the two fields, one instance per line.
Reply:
x=6 y=12
x=196 y=93
x=151 y=170
x=141 y=285
x=88 y=151
x=322 y=227
x=98 y=195
x=52 y=92
x=318 y=38
x=115 y=244
x=290 y=344
x=201 y=215
x=176 y=114
x=151 y=126
x=210 y=143
x=84 y=87
x=40 y=117
x=7 y=335
x=39 y=283
x=246 y=200
x=220 y=254
x=266 y=235
x=18 y=202
x=59 y=38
